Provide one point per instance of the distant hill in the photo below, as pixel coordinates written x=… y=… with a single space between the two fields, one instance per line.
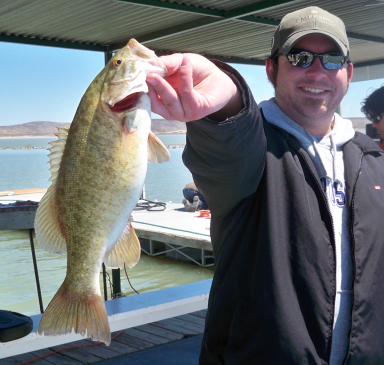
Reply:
x=162 y=126
x=48 y=129
x=34 y=129
x=359 y=123
x=159 y=126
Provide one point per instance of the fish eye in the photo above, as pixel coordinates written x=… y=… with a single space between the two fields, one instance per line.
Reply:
x=117 y=62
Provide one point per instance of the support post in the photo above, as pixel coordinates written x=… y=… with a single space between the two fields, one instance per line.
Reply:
x=105 y=283
x=116 y=291
x=116 y=283
x=36 y=271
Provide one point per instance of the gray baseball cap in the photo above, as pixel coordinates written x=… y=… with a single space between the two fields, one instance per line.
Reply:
x=311 y=20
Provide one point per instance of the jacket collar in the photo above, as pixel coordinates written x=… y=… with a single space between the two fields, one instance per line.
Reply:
x=365 y=143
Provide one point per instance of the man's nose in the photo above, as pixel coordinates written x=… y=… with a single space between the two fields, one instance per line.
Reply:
x=316 y=69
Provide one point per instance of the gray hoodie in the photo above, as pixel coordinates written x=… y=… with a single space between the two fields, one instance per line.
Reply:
x=327 y=156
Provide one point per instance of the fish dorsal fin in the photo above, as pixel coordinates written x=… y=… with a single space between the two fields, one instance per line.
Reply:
x=49 y=234
x=127 y=250
x=56 y=151
x=157 y=152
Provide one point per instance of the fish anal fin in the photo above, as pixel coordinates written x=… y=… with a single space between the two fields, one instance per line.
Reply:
x=127 y=250
x=50 y=234
x=85 y=314
x=157 y=152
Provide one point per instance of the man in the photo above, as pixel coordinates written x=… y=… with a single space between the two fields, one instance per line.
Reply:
x=296 y=197
x=373 y=108
x=193 y=199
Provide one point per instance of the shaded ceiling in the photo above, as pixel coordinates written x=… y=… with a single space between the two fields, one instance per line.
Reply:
x=237 y=31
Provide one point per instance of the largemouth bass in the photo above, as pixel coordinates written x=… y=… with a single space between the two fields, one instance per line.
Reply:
x=98 y=168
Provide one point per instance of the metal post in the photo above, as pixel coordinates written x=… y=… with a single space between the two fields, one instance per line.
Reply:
x=115 y=272
x=116 y=283
x=36 y=271
x=105 y=283
x=107 y=57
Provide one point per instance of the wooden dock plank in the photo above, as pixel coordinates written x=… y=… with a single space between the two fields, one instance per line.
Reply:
x=134 y=342
x=188 y=325
x=192 y=319
x=53 y=359
x=9 y=361
x=201 y=314
x=119 y=347
x=79 y=353
x=104 y=352
x=156 y=340
x=178 y=325
x=81 y=356
x=162 y=332
x=27 y=357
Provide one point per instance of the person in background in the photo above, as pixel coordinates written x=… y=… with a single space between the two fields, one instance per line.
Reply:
x=296 y=199
x=194 y=200
x=373 y=108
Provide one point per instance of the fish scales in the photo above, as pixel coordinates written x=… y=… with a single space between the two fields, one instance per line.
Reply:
x=98 y=169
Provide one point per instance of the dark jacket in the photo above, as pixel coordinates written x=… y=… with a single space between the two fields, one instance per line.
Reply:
x=273 y=292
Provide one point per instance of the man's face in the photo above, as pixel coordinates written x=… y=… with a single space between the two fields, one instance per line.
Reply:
x=311 y=95
x=380 y=126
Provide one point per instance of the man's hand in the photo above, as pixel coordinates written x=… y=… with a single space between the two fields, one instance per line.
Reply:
x=193 y=88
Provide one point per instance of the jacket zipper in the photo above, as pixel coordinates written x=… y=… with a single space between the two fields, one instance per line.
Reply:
x=315 y=175
x=353 y=254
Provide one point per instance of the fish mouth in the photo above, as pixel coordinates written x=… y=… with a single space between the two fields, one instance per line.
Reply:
x=128 y=103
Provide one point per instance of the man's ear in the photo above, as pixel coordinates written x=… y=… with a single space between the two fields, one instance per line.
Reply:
x=269 y=69
x=350 y=72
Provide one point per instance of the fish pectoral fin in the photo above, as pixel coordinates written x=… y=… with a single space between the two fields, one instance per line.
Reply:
x=127 y=250
x=157 y=152
x=49 y=234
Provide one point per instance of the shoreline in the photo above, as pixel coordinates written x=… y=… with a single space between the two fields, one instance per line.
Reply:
x=53 y=136
x=26 y=137
x=168 y=146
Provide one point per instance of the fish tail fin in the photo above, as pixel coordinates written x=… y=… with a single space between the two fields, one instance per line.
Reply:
x=86 y=314
x=157 y=152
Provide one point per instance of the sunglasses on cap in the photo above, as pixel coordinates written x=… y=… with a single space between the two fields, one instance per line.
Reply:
x=330 y=61
x=375 y=118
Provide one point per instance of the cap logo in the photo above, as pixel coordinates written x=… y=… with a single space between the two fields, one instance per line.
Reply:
x=311 y=18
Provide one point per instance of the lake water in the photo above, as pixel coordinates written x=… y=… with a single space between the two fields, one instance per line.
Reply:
x=28 y=168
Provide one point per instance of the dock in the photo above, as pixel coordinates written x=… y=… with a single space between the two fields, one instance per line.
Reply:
x=137 y=323
x=166 y=223
x=175 y=341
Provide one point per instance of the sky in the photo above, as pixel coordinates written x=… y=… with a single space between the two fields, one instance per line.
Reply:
x=46 y=84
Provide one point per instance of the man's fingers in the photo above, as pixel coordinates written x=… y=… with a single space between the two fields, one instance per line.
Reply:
x=157 y=105
x=172 y=62
x=185 y=88
x=166 y=92
x=189 y=91
x=164 y=98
